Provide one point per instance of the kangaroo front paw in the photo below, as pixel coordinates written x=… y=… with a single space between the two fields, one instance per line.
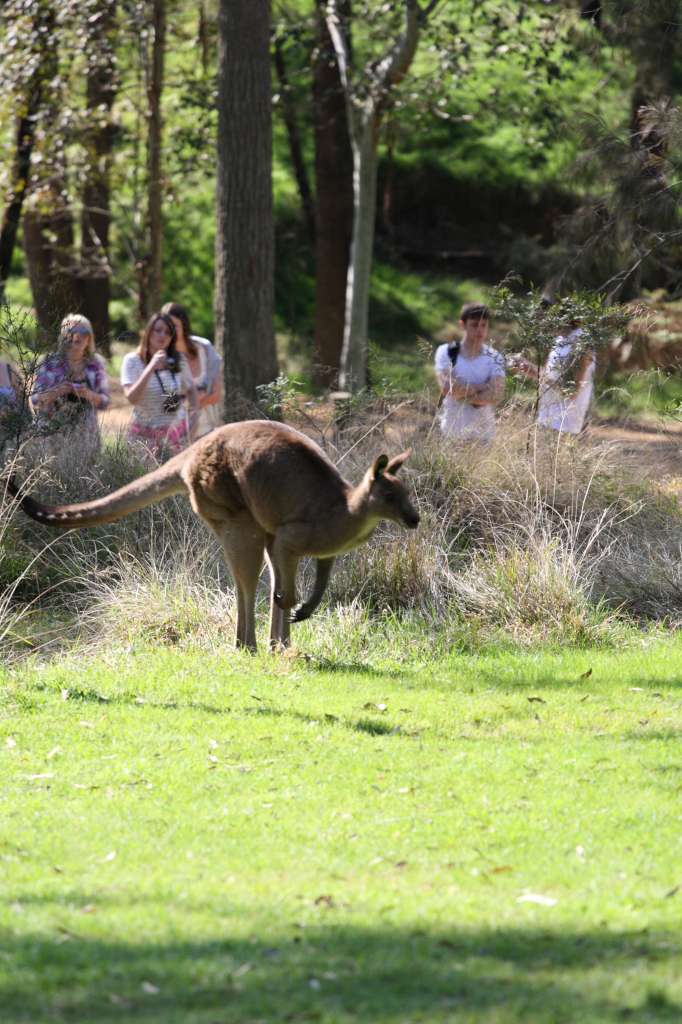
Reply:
x=284 y=601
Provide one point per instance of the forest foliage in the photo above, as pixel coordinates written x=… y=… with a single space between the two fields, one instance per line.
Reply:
x=510 y=145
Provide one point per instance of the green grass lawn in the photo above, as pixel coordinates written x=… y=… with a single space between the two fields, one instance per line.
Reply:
x=221 y=839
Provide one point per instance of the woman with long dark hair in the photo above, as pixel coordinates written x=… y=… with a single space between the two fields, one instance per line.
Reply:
x=158 y=384
x=205 y=364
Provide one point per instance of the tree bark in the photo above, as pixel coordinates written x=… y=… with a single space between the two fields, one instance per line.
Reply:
x=151 y=292
x=244 y=265
x=96 y=215
x=19 y=183
x=364 y=118
x=334 y=201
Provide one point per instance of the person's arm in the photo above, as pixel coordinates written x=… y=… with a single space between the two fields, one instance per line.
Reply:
x=211 y=397
x=45 y=393
x=519 y=364
x=490 y=393
x=135 y=392
x=192 y=405
x=98 y=397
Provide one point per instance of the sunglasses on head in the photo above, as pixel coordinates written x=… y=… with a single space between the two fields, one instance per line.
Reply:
x=83 y=331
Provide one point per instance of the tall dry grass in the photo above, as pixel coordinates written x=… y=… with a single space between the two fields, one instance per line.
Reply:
x=529 y=540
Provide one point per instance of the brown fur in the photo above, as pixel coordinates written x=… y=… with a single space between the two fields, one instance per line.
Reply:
x=265 y=490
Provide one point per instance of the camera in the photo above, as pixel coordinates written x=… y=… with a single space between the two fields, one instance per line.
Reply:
x=171 y=403
x=171 y=363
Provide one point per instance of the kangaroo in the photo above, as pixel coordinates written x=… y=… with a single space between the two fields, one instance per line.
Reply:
x=265 y=490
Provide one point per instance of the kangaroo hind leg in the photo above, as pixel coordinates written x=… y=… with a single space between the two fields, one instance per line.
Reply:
x=243 y=544
x=280 y=621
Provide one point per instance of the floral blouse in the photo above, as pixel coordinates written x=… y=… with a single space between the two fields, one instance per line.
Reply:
x=70 y=410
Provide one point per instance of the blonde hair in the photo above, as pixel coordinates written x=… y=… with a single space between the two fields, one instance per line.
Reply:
x=70 y=321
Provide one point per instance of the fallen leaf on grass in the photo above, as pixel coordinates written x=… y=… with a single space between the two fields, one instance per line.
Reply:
x=585 y=675
x=40 y=775
x=672 y=892
x=536 y=897
x=53 y=753
x=110 y=856
x=502 y=869
x=536 y=700
x=378 y=707
x=150 y=988
x=10 y=742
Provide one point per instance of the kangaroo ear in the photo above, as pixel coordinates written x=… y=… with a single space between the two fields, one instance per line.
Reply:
x=395 y=464
x=379 y=466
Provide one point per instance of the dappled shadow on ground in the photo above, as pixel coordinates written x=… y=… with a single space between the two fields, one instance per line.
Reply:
x=582 y=683
x=341 y=973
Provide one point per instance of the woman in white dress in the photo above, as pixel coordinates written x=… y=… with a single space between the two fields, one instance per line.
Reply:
x=158 y=384
x=205 y=365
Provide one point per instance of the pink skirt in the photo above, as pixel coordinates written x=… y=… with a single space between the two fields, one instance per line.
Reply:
x=161 y=442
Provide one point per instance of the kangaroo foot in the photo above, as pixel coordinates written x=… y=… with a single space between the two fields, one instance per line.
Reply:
x=301 y=613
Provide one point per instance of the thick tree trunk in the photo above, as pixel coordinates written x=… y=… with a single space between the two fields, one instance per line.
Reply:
x=244 y=265
x=354 y=353
x=48 y=245
x=333 y=205
x=95 y=220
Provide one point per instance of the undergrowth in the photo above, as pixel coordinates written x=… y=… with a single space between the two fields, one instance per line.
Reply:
x=529 y=541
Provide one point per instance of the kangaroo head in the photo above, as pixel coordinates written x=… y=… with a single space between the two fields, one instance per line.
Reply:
x=388 y=498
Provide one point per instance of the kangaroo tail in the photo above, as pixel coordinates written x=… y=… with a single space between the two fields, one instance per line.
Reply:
x=155 y=486
x=322 y=574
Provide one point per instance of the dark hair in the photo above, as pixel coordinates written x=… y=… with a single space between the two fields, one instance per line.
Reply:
x=181 y=314
x=474 y=311
x=143 y=347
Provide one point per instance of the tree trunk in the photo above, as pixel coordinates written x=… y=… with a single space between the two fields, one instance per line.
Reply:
x=354 y=352
x=333 y=205
x=19 y=183
x=96 y=215
x=244 y=265
x=294 y=137
x=380 y=77
x=151 y=292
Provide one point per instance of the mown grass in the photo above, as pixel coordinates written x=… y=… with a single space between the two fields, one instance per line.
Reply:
x=208 y=837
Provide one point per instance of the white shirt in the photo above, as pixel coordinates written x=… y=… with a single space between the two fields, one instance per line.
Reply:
x=149 y=411
x=459 y=418
x=556 y=410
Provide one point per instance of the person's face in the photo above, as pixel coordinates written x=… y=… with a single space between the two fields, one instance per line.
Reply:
x=476 y=330
x=77 y=340
x=160 y=336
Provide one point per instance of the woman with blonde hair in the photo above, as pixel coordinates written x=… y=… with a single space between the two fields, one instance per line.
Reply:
x=157 y=382
x=71 y=385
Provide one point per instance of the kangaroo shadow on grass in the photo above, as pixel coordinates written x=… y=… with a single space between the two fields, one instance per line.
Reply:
x=340 y=972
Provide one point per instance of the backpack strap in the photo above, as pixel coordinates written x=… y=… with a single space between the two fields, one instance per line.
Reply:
x=453 y=352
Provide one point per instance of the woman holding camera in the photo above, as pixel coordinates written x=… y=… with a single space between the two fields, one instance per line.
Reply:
x=158 y=384
x=71 y=385
x=205 y=364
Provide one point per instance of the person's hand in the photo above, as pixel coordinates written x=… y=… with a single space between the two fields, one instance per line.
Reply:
x=158 y=360
x=65 y=388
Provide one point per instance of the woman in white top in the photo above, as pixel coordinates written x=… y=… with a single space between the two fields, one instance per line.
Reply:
x=566 y=383
x=471 y=375
x=158 y=384
x=205 y=364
